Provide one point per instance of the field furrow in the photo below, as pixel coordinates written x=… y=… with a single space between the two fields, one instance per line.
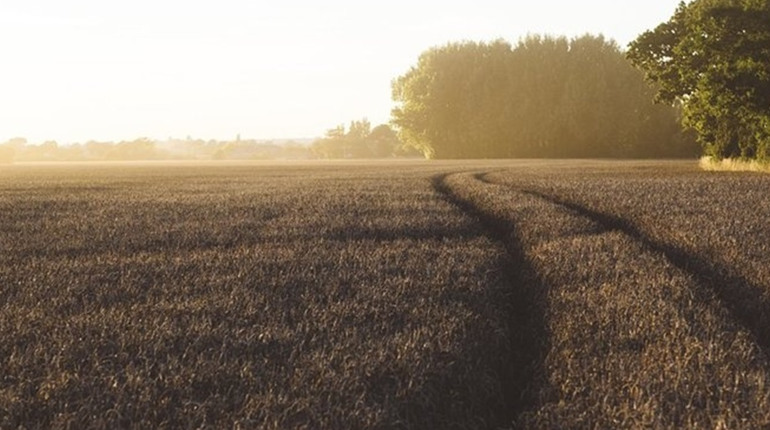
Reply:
x=632 y=340
x=526 y=318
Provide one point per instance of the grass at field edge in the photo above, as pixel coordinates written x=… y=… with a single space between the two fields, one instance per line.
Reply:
x=733 y=165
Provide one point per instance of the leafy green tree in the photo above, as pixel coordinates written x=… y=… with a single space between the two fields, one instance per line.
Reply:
x=713 y=58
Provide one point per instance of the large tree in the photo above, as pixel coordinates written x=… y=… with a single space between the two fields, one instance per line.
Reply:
x=713 y=58
x=453 y=103
x=545 y=97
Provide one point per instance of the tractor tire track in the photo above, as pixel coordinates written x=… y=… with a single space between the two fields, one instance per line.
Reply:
x=624 y=332
x=522 y=370
x=746 y=302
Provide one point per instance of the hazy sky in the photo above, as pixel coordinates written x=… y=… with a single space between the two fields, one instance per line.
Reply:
x=74 y=70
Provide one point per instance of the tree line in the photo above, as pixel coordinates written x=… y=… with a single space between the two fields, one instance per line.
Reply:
x=20 y=150
x=544 y=97
x=707 y=69
x=360 y=140
x=703 y=78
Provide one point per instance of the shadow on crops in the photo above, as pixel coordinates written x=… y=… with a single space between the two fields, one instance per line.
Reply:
x=745 y=301
x=416 y=233
x=520 y=370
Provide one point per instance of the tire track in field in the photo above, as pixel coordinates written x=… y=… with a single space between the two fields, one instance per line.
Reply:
x=746 y=302
x=618 y=311
x=527 y=319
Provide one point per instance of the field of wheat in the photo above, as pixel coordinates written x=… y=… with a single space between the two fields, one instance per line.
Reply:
x=505 y=294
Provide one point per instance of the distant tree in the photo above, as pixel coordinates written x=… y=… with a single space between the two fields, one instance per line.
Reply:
x=383 y=141
x=10 y=150
x=138 y=149
x=332 y=145
x=97 y=150
x=359 y=129
x=355 y=140
x=296 y=151
x=17 y=143
x=359 y=141
x=337 y=132
x=713 y=58
x=46 y=151
x=73 y=152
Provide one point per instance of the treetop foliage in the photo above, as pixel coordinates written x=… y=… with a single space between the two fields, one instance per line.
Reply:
x=544 y=97
x=713 y=58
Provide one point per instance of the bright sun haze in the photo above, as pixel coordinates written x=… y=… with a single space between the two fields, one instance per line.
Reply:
x=79 y=70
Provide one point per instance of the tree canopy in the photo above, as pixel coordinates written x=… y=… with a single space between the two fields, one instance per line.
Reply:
x=545 y=97
x=713 y=58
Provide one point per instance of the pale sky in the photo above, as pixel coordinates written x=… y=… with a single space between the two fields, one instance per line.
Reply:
x=76 y=70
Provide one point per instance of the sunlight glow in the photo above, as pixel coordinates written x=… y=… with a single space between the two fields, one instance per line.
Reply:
x=77 y=70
